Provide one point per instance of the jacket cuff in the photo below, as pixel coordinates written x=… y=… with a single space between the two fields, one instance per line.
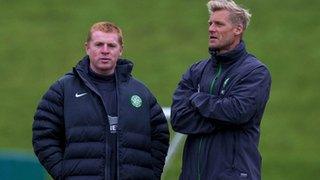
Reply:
x=56 y=171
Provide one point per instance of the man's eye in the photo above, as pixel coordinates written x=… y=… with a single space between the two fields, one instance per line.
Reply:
x=219 y=24
x=112 y=45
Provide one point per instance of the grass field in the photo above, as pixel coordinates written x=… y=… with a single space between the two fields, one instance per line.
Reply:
x=41 y=40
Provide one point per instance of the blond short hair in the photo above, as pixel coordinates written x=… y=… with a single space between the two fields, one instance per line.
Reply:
x=238 y=15
x=106 y=27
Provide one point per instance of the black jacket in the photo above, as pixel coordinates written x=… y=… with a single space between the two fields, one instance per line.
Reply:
x=219 y=104
x=70 y=128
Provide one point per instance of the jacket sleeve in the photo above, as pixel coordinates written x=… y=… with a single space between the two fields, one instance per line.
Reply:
x=248 y=96
x=184 y=117
x=159 y=137
x=48 y=130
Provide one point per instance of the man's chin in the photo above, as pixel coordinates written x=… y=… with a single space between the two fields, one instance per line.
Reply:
x=213 y=48
x=213 y=45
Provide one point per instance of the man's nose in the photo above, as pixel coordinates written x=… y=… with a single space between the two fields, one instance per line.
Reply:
x=212 y=28
x=105 y=49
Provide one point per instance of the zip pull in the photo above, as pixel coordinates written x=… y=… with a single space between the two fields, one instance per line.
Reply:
x=223 y=86
x=113 y=123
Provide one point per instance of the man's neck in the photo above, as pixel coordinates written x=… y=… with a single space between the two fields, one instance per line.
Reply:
x=230 y=48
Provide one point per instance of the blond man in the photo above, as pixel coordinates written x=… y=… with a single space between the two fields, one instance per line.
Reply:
x=219 y=102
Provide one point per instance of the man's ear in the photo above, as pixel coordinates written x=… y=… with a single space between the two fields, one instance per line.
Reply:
x=86 y=47
x=121 y=50
x=238 y=30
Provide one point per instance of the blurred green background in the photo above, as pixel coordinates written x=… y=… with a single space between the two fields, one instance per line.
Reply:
x=41 y=40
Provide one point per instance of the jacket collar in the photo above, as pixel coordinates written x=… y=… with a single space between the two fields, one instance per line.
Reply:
x=123 y=68
x=230 y=56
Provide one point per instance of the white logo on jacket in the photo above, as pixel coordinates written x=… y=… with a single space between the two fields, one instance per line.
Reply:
x=79 y=95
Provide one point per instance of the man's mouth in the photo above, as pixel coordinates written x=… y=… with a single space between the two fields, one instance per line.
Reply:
x=105 y=59
x=213 y=37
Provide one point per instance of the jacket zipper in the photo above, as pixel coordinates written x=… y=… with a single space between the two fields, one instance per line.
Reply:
x=211 y=92
x=215 y=79
x=233 y=166
x=107 y=129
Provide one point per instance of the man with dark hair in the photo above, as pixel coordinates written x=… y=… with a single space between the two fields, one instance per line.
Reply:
x=97 y=121
x=220 y=101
